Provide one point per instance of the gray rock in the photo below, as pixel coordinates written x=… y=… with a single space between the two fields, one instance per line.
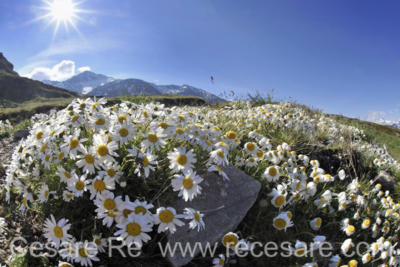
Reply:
x=20 y=134
x=387 y=181
x=224 y=203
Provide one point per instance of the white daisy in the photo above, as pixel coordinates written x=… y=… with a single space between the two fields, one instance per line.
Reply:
x=167 y=219
x=100 y=242
x=187 y=185
x=86 y=253
x=195 y=217
x=134 y=230
x=57 y=232
x=104 y=148
x=219 y=261
x=123 y=133
x=73 y=144
x=26 y=197
x=216 y=168
x=108 y=207
x=44 y=193
x=100 y=185
x=153 y=141
x=78 y=185
x=147 y=164
x=181 y=159
x=88 y=161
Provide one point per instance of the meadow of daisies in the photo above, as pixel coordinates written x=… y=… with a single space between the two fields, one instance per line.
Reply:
x=93 y=171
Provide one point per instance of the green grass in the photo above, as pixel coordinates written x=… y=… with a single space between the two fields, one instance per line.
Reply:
x=23 y=111
x=381 y=134
x=27 y=109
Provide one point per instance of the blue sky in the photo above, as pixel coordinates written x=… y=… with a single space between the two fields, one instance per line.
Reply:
x=342 y=56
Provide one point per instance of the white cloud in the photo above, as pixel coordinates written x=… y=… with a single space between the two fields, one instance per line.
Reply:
x=85 y=68
x=59 y=72
x=376 y=116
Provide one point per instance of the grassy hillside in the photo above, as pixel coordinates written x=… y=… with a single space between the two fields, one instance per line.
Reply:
x=17 y=112
x=316 y=172
x=384 y=135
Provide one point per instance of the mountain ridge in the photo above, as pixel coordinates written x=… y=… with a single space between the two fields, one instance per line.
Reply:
x=94 y=84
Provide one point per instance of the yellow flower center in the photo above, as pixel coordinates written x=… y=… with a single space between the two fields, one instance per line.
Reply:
x=102 y=150
x=353 y=263
x=181 y=159
x=67 y=175
x=152 y=138
x=280 y=223
x=61 y=155
x=272 y=171
x=133 y=229
x=123 y=132
x=366 y=222
x=46 y=194
x=196 y=217
x=260 y=153
x=179 y=131
x=250 y=146
x=122 y=118
x=230 y=240
x=47 y=158
x=350 y=229
x=187 y=183
x=145 y=162
x=109 y=204
x=163 y=125
x=111 y=172
x=39 y=134
x=300 y=251
x=279 y=201
x=43 y=148
x=73 y=143
x=231 y=135
x=318 y=222
x=58 y=232
x=99 y=185
x=89 y=159
x=140 y=209
x=126 y=212
x=83 y=252
x=166 y=216
x=75 y=118
x=220 y=153
x=100 y=121
x=79 y=185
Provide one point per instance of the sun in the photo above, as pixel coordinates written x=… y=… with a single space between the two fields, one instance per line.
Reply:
x=61 y=12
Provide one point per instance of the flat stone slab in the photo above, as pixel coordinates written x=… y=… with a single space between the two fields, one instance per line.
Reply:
x=224 y=204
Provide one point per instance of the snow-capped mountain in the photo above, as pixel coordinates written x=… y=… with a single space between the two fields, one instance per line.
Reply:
x=125 y=87
x=83 y=82
x=395 y=124
x=94 y=84
x=188 y=90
